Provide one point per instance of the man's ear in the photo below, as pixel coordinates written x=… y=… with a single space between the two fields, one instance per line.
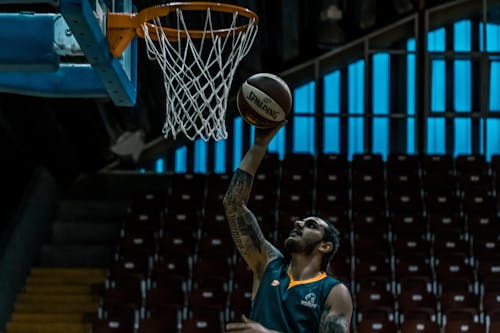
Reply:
x=326 y=247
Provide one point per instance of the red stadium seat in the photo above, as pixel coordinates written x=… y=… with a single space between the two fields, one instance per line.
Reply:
x=420 y=326
x=376 y=326
x=158 y=325
x=412 y=304
x=463 y=326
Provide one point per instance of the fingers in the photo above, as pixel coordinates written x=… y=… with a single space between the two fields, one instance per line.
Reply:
x=236 y=327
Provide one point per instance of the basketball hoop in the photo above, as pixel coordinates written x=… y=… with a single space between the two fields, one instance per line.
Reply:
x=198 y=63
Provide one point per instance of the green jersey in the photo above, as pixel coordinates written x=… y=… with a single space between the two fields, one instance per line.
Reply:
x=287 y=305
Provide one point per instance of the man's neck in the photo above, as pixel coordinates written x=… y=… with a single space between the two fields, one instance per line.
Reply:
x=304 y=267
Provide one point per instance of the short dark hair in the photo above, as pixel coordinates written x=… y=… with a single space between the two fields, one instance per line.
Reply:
x=331 y=235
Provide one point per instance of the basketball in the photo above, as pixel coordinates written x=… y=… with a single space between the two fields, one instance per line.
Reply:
x=264 y=100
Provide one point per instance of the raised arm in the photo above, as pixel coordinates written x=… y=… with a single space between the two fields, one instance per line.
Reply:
x=245 y=229
x=337 y=315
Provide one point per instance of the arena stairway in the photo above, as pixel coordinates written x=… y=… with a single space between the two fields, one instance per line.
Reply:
x=63 y=289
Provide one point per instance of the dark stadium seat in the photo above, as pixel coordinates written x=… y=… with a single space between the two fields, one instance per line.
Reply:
x=177 y=244
x=366 y=222
x=207 y=303
x=479 y=203
x=112 y=326
x=437 y=164
x=482 y=224
x=370 y=299
x=158 y=325
x=367 y=163
x=413 y=243
x=240 y=302
x=332 y=163
x=459 y=305
x=463 y=326
x=367 y=181
x=168 y=265
x=403 y=164
x=486 y=247
x=420 y=326
x=376 y=326
x=202 y=325
x=408 y=202
x=160 y=301
x=368 y=202
x=407 y=223
x=413 y=304
x=454 y=276
x=471 y=164
x=398 y=182
x=211 y=271
x=445 y=203
x=445 y=223
x=297 y=201
x=413 y=275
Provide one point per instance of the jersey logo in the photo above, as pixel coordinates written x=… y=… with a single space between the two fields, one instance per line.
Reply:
x=309 y=301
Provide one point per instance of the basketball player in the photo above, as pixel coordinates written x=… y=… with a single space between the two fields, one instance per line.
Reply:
x=289 y=297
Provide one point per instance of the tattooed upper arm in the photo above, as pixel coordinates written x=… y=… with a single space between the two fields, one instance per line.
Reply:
x=331 y=323
x=336 y=317
x=245 y=229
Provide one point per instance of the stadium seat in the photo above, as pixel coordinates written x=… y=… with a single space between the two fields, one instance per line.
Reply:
x=413 y=304
x=369 y=163
x=420 y=326
x=160 y=299
x=158 y=325
x=331 y=163
x=376 y=326
x=463 y=326
x=112 y=326
x=454 y=276
x=437 y=164
x=297 y=202
x=397 y=182
x=240 y=302
x=403 y=164
x=482 y=224
x=202 y=325
x=375 y=300
x=459 y=305
x=471 y=164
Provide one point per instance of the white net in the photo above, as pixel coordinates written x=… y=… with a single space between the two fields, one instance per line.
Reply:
x=198 y=73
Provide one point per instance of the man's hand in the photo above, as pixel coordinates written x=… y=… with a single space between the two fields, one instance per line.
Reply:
x=262 y=136
x=247 y=326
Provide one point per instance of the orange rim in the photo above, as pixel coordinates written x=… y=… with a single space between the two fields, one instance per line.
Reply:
x=123 y=27
x=173 y=34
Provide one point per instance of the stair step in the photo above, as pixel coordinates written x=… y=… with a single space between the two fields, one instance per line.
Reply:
x=72 y=272
x=59 y=280
x=20 y=327
x=56 y=299
x=85 y=232
x=76 y=256
x=60 y=308
x=71 y=289
x=53 y=317
x=92 y=210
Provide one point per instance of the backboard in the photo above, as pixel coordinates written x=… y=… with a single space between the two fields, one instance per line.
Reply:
x=64 y=52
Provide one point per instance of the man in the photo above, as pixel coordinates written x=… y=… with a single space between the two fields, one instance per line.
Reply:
x=288 y=297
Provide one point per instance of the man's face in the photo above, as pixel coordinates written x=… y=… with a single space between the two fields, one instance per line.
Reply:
x=305 y=235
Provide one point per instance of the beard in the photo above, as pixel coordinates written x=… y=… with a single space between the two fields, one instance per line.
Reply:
x=303 y=246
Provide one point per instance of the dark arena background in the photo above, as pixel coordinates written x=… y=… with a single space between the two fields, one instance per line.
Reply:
x=394 y=135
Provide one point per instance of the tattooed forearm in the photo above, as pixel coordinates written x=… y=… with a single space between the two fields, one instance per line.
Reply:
x=244 y=227
x=331 y=323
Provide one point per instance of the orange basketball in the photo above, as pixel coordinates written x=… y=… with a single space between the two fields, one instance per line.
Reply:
x=264 y=100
